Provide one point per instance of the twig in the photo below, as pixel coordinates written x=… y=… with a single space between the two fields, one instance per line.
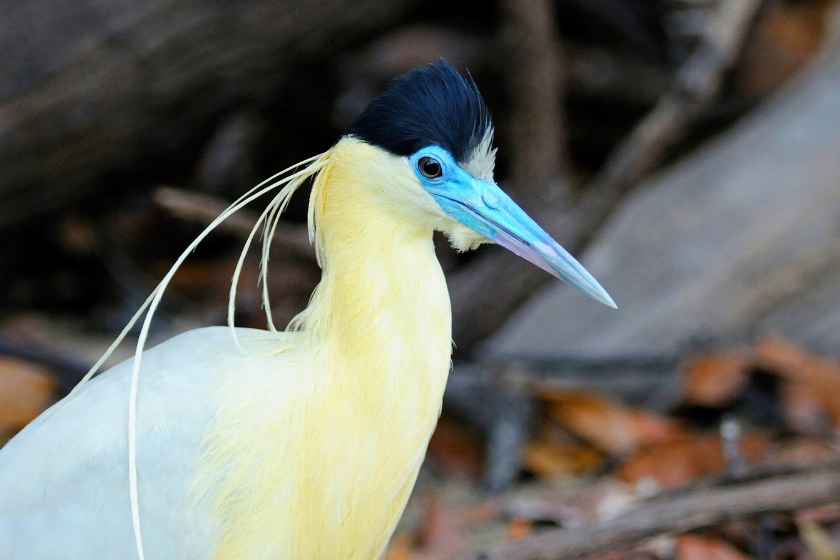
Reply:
x=477 y=311
x=204 y=209
x=646 y=381
x=678 y=513
x=696 y=84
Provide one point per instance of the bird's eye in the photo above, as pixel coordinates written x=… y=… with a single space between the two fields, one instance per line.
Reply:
x=429 y=167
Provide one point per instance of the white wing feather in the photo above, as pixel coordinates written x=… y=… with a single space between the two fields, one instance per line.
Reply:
x=64 y=493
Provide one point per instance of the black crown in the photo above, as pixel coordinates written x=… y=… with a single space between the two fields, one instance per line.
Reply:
x=433 y=105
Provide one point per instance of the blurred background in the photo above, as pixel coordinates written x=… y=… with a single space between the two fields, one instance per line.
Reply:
x=688 y=151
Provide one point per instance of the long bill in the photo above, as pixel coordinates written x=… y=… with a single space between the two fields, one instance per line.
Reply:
x=485 y=208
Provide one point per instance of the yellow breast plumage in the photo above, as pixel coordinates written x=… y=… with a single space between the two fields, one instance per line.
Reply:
x=340 y=444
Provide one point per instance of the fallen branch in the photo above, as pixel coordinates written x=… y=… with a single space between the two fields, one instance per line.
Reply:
x=646 y=381
x=477 y=311
x=127 y=82
x=204 y=209
x=696 y=84
x=678 y=513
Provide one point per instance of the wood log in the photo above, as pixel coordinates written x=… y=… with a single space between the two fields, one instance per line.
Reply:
x=738 y=238
x=92 y=88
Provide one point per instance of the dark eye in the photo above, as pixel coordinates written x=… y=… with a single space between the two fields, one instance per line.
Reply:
x=429 y=167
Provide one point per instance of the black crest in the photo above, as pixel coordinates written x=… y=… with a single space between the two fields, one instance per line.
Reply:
x=428 y=106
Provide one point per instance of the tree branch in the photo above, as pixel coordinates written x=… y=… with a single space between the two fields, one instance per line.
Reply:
x=677 y=513
x=204 y=209
x=477 y=311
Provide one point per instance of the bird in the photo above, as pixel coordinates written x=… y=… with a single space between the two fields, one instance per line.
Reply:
x=295 y=444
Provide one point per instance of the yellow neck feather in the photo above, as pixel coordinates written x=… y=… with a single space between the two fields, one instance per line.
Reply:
x=381 y=277
x=316 y=460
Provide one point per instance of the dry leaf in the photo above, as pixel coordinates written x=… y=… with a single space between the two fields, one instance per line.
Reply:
x=715 y=379
x=785 y=37
x=518 y=528
x=680 y=462
x=399 y=548
x=610 y=425
x=820 y=375
x=26 y=390
x=692 y=547
x=550 y=461
x=804 y=410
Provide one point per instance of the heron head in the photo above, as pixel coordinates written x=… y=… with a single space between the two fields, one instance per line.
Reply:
x=435 y=121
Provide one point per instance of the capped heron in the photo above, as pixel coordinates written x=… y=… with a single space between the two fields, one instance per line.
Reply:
x=301 y=444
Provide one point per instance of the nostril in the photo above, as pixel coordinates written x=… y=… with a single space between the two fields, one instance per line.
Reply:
x=491 y=200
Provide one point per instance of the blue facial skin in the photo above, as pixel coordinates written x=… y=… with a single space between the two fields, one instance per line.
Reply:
x=484 y=208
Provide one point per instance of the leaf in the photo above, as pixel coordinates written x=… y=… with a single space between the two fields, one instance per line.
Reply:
x=804 y=409
x=550 y=460
x=785 y=37
x=821 y=377
x=26 y=390
x=680 y=462
x=399 y=548
x=609 y=425
x=519 y=528
x=715 y=379
x=693 y=547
